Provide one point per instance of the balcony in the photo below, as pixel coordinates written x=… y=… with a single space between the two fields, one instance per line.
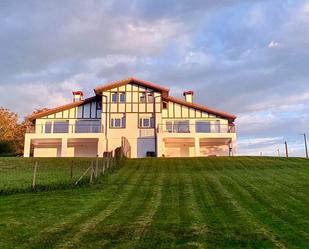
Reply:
x=195 y=128
x=65 y=128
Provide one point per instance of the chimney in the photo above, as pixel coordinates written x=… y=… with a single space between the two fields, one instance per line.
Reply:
x=188 y=96
x=77 y=96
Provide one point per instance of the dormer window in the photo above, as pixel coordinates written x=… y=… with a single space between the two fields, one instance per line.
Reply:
x=114 y=97
x=142 y=97
x=122 y=97
x=164 y=105
x=150 y=98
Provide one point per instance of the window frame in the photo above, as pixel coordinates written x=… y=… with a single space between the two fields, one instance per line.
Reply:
x=142 y=95
x=121 y=94
x=112 y=123
x=150 y=94
x=93 y=126
x=151 y=124
x=200 y=129
x=66 y=127
x=49 y=125
x=112 y=98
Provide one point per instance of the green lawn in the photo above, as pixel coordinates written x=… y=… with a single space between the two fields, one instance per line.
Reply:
x=237 y=202
x=16 y=173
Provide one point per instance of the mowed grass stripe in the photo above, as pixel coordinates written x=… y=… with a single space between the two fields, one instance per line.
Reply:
x=119 y=226
x=266 y=210
x=75 y=239
x=194 y=229
x=141 y=225
x=170 y=203
x=160 y=233
x=279 y=204
x=252 y=225
x=51 y=235
x=236 y=229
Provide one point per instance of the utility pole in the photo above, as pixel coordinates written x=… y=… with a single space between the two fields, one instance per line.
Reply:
x=306 y=147
x=286 y=149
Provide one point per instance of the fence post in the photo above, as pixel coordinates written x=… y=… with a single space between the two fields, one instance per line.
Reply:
x=107 y=162
x=103 y=165
x=286 y=149
x=96 y=166
x=91 y=172
x=34 y=174
x=71 y=169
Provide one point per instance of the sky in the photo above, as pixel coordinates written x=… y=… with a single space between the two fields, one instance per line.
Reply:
x=249 y=58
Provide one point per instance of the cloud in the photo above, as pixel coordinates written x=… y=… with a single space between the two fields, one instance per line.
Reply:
x=274 y=44
x=245 y=57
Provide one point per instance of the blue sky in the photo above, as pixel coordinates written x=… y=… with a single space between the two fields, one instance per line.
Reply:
x=249 y=58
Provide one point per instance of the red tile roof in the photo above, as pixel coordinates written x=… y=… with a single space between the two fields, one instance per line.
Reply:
x=61 y=108
x=131 y=80
x=115 y=84
x=229 y=116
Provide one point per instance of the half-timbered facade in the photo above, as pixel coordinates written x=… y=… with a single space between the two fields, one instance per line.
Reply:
x=143 y=114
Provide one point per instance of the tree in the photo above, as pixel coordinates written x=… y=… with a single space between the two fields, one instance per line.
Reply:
x=11 y=132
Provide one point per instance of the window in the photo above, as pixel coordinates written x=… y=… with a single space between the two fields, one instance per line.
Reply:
x=48 y=127
x=118 y=122
x=88 y=126
x=217 y=126
x=181 y=126
x=61 y=126
x=122 y=97
x=114 y=97
x=164 y=105
x=169 y=126
x=146 y=122
x=142 y=97
x=150 y=98
x=202 y=127
x=99 y=105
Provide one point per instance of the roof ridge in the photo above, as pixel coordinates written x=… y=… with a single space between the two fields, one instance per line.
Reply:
x=118 y=83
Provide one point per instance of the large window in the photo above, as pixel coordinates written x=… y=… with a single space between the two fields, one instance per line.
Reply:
x=202 y=127
x=169 y=126
x=147 y=122
x=217 y=126
x=181 y=126
x=118 y=122
x=88 y=126
x=61 y=126
x=48 y=127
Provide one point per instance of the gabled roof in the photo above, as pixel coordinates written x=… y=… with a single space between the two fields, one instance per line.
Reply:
x=229 y=116
x=61 y=108
x=131 y=80
x=115 y=84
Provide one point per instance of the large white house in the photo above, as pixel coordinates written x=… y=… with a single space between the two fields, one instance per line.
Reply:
x=139 y=115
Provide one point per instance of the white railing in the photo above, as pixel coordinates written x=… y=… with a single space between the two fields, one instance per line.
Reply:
x=194 y=128
x=65 y=128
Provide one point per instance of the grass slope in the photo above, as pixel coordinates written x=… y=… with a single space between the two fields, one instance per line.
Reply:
x=52 y=173
x=169 y=203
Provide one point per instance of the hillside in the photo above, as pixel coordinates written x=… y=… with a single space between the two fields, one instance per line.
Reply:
x=239 y=202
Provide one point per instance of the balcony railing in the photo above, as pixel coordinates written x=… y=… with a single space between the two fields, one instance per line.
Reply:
x=65 y=128
x=195 y=128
